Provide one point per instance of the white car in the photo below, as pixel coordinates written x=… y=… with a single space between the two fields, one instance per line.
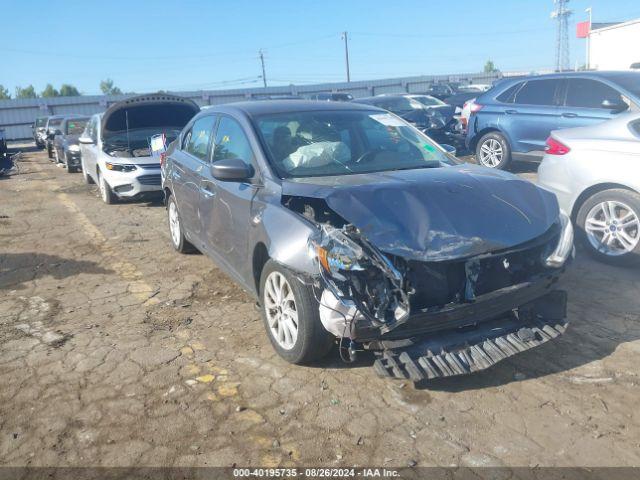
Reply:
x=595 y=173
x=115 y=144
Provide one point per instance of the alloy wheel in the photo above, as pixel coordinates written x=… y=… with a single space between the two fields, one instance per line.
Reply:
x=174 y=224
x=612 y=228
x=103 y=190
x=281 y=310
x=491 y=153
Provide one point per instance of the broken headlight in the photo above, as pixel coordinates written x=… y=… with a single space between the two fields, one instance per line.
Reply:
x=358 y=274
x=565 y=244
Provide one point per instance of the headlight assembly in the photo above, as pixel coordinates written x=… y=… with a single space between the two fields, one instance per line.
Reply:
x=119 y=167
x=565 y=244
x=74 y=148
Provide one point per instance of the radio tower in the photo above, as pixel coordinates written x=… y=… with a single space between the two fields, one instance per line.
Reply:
x=561 y=14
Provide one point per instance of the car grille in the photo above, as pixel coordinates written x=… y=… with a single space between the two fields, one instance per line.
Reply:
x=149 y=166
x=150 y=179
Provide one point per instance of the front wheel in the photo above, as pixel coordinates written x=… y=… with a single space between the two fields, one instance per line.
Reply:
x=291 y=316
x=178 y=239
x=608 y=225
x=493 y=151
x=106 y=193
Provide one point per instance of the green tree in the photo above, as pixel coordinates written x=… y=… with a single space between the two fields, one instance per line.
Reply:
x=67 y=90
x=4 y=93
x=26 y=92
x=490 y=67
x=49 y=91
x=108 y=88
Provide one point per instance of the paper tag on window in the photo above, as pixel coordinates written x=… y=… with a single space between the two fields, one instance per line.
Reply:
x=388 y=120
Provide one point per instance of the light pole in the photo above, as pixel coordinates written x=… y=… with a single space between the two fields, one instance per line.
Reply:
x=587 y=63
x=346 y=53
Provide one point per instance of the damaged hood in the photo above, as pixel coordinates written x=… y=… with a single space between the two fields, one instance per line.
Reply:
x=435 y=214
x=154 y=111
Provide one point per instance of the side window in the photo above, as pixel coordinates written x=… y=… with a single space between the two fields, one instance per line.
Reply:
x=537 y=92
x=508 y=95
x=231 y=142
x=199 y=136
x=586 y=93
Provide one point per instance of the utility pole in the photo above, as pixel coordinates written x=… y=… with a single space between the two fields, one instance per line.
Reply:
x=264 y=75
x=587 y=63
x=346 y=53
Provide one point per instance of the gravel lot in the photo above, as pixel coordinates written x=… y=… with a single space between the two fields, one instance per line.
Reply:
x=115 y=350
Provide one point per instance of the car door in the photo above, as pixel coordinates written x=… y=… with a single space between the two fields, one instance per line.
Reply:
x=583 y=99
x=188 y=164
x=225 y=206
x=532 y=115
x=89 y=151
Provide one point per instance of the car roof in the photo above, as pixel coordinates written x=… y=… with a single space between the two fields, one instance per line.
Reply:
x=267 y=107
x=607 y=74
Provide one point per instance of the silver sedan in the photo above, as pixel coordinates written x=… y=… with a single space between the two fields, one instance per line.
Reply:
x=595 y=173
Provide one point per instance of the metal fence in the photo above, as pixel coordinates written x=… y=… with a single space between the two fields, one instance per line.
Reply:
x=17 y=116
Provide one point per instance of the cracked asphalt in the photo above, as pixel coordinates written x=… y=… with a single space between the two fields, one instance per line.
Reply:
x=117 y=351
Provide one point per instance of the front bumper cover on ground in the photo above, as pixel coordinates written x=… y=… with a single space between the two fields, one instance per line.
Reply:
x=468 y=350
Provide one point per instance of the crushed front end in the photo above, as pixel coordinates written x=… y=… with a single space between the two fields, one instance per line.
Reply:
x=428 y=319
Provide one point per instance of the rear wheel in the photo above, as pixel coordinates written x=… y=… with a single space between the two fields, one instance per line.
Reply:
x=608 y=225
x=178 y=240
x=106 y=193
x=493 y=151
x=291 y=317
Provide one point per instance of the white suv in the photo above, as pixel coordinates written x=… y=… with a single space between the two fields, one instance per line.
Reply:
x=115 y=144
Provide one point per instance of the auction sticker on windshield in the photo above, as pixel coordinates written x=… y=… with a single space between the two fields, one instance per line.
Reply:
x=388 y=120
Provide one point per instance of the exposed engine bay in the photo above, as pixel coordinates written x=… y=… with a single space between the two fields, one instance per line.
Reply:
x=370 y=296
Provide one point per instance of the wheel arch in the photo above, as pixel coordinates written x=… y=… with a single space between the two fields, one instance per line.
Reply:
x=592 y=190
x=259 y=259
x=483 y=132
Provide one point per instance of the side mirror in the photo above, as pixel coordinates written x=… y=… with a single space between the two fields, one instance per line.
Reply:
x=450 y=149
x=616 y=105
x=86 y=140
x=231 y=170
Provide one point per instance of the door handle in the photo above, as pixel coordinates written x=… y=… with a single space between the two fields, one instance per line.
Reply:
x=570 y=115
x=208 y=192
x=510 y=112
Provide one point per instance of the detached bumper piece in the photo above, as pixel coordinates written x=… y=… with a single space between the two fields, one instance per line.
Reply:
x=471 y=349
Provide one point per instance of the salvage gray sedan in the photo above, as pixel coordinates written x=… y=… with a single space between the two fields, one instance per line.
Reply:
x=347 y=223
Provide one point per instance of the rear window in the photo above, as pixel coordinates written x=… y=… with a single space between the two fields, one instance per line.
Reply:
x=537 y=92
x=508 y=95
x=587 y=93
x=76 y=127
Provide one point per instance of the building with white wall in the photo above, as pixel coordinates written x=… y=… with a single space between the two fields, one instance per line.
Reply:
x=614 y=46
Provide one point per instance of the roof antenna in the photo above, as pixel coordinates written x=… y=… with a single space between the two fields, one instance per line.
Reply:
x=126 y=117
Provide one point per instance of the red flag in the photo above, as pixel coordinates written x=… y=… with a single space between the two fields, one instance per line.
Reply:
x=582 y=29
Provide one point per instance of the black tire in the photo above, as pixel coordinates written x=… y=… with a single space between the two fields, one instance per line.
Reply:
x=313 y=342
x=70 y=168
x=182 y=245
x=488 y=138
x=106 y=193
x=626 y=197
